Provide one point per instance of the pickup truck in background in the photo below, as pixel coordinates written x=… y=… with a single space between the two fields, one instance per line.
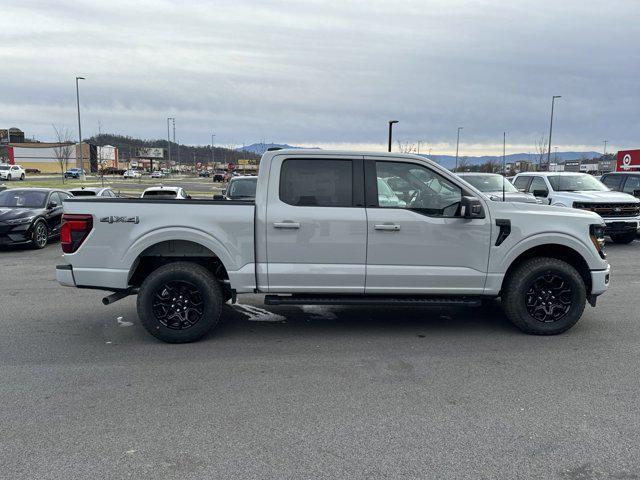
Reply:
x=620 y=211
x=321 y=232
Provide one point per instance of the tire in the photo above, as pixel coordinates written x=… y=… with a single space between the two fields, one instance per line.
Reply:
x=623 y=238
x=544 y=287
x=202 y=302
x=22 y=177
x=9 y=177
x=39 y=235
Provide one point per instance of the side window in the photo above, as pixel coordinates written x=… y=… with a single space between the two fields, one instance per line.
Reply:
x=55 y=198
x=521 y=183
x=632 y=184
x=613 y=181
x=317 y=183
x=412 y=186
x=537 y=183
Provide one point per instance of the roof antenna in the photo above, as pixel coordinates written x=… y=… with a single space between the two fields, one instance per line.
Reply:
x=504 y=171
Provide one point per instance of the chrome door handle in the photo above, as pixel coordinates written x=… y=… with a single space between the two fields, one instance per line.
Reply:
x=291 y=225
x=388 y=227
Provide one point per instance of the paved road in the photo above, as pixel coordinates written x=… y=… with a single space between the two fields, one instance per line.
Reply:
x=313 y=392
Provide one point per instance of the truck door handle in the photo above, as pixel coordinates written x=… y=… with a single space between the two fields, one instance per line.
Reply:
x=388 y=227
x=292 y=225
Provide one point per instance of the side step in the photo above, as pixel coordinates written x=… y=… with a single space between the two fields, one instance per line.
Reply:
x=417 y=301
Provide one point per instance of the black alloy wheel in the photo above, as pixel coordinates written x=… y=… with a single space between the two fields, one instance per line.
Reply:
x=548 y=298
x=178 y=305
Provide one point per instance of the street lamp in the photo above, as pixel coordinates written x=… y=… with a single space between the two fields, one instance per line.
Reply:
x=605 y=147
x=553 y=101
x=391 y=122
x=457 y=147
x=213 y=163
x=79 y=125
x=169 y=140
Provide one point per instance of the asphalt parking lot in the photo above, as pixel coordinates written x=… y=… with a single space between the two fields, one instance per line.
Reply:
x=289 y=392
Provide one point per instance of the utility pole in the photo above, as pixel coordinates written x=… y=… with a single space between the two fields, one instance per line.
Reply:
x=504 y=162
x=391 y=122
x=605 y=148
x=213 y=161
x=457 y=147
x=169 y=141
x=553 y=101
x=79 y=126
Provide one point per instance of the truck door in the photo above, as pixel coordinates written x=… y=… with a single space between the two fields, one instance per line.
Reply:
x=316 y=226
x=417 y=241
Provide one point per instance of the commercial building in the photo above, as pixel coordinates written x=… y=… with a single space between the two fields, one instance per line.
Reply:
x=43 y=157
x=628 y=160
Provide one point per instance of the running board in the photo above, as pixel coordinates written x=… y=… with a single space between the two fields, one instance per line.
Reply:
x=416 y=301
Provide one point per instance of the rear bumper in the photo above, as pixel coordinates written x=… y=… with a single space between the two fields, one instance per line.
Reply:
x=600 y=280
x=64 y=275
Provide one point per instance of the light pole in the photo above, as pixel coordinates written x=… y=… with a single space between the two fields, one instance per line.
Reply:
x=553 y=101
x=213 y=162
x=457 y=147
x=169 y=141
x=391 y=122
x=605 y=148
x=79 y=125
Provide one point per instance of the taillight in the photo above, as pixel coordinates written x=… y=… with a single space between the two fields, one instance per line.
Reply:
x=75 y=228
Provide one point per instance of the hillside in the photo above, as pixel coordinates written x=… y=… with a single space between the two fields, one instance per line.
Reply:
x=184 y=154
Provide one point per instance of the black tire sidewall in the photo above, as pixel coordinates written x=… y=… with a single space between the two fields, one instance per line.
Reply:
x=199 y=277
x=521 y=283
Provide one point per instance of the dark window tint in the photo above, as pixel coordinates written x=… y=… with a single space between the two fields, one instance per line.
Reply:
x=160 y=193
x=317 y=183
x=537 y=183
x=612 y=181
x=521 y=183
x=632 y=184
x=55 y=198
x=84 y=193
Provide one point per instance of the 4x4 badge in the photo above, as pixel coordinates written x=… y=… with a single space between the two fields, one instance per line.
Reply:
x=116 y=219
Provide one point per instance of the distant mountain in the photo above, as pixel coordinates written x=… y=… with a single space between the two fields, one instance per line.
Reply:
x=260 y=148
x=449 y=161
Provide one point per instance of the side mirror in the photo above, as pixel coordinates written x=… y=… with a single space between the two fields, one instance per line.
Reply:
x=471 y=207
x=543 y=192
x=636 y=193
x=52 y=205
x=218 y=197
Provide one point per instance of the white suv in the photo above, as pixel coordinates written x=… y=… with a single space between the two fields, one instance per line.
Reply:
x=12 y=172
x=620 y=211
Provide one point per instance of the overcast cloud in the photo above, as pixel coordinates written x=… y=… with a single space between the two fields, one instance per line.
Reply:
x=327 y=72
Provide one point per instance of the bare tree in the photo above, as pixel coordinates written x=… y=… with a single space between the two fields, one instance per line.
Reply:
x=541 y=150
x=407 y=147
x=463 y=164
x=64 y=148
x=490 y=166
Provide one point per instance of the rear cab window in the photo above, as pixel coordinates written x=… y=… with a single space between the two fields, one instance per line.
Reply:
x=317 y=182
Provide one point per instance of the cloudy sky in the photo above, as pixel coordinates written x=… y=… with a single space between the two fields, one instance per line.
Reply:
x=328 y=73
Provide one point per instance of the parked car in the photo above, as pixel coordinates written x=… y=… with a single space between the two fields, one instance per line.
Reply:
x=318 y=234
x=239 y=188
x=492 y=185
x=131 y=174
x=75 y=173
x=30 y=215
x=219 y=176
x=204 y=173
x=620 y=211
x=627 y=182
x=93 y=192
x=157 y=174
x=113 y=171
x=166 y=193
x=12 y=172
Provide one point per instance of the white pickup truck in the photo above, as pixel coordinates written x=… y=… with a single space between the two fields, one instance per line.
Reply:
x=319 y=232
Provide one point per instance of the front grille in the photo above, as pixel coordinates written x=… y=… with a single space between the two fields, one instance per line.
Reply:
x=610 y=209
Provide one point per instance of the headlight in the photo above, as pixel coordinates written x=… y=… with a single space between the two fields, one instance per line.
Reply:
x=596 y=233
x=19 y=221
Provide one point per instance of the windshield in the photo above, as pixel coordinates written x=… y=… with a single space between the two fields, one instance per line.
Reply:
x=244 y=187
x=576 y=183
x=490 y=183
x=23 y=198
x=160 y=193
x=83 y=193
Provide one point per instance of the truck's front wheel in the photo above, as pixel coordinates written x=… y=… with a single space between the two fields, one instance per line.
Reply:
x=180 y=302
x=544 y=296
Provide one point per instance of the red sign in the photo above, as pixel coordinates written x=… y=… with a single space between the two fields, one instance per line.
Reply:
x=628 y=160
x=231 y=167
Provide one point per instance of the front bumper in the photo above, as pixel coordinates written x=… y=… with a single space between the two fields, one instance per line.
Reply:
x=600 y=281
x=64 y=275
x=621 y=225
x=11 y=234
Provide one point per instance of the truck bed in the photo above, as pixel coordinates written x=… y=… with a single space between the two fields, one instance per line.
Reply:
x=126 y=228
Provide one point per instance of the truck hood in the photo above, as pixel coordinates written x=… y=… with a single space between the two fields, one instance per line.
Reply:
x=597 y=197
x=512 y=197
x=547 y=212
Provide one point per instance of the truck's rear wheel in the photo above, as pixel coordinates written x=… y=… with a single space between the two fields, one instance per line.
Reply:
x=623 y=237
x=180 y=302
x=544 y=296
